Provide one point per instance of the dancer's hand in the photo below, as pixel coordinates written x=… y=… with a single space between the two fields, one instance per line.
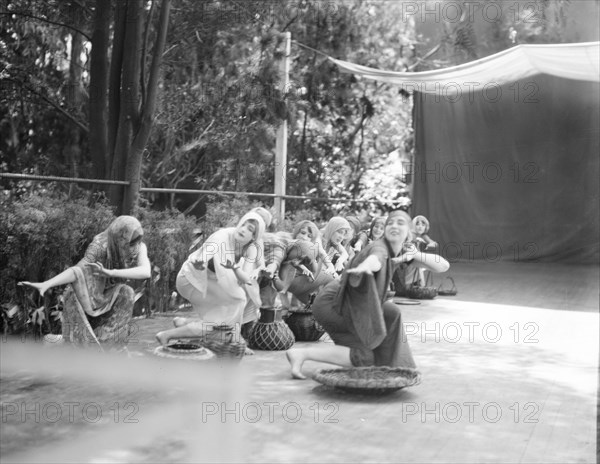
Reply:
x=408 y=254
x=230 y=265
x=304 y=270
x=270 y=270
x=37 y=285
x=339 y=265
x=198 y=264
x=330 y=270
x=99 y=270
x=359 y=270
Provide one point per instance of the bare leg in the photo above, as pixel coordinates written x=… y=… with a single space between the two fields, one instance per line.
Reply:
x=187 y=331
x=332 y=354
x=180 y=321
x=65 y=277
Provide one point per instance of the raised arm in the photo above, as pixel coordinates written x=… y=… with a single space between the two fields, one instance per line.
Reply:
x=140 y=272
x=429 y=261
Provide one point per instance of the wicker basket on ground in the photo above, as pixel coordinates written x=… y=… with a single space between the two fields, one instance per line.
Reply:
x=221 y=342
x=270 y=333
x=374 y=380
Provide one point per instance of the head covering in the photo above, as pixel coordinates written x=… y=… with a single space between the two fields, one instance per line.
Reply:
x=335 y=223
x=381 y=219
x=260 y=229
x=119 y=234
x=306 y=223
x=265 y=214
x=300 y=252
x=355 y=223
x=422 y=219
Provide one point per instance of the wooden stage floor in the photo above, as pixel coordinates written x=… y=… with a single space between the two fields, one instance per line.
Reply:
x=509 y=375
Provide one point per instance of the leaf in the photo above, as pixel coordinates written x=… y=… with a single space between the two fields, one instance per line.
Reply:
x=57 y=315
x=10 y=311
x=38 y=316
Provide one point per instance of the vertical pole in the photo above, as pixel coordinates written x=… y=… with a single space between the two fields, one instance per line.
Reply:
x=282 y=133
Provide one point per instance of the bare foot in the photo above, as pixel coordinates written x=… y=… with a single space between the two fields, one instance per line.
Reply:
x=296 y=360
x=179 y=321
x=38 y=286
x=162 y=338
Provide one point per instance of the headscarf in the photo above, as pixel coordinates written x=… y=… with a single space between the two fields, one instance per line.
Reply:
x=265 y=214
x=335 y=223
x=221 y=247
x=260 y=230
x=312 y=227
x=355 y=223
x=422 y=219
x=119 y=234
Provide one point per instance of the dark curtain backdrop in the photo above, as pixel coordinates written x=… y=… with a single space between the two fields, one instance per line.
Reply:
x=511 y=175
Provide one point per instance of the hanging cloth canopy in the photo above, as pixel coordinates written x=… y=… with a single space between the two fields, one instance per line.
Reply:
x=579 y=61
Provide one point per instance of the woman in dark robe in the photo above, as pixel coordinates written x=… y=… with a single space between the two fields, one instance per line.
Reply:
x=366 y=329
x=98 y=305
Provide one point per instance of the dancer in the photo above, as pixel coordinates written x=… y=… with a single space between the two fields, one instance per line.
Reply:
x=366 y=329
x=217 y=279
x=335 y=234
x=423 y=242
x=377 y=228
x=98 y=305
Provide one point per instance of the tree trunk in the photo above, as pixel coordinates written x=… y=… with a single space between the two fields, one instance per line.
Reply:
x=135 y=156
x=129 y=101
x=98 y=106
x=72 y=148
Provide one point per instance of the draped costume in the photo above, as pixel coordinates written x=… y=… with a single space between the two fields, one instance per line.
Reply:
x=355 y=313
x=215 y=294
x=98 y=303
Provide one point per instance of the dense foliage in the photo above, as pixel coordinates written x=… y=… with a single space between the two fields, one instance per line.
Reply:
x=219 y=102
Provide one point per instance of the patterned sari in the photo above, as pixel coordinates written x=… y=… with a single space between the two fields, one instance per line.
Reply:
x=98 y=309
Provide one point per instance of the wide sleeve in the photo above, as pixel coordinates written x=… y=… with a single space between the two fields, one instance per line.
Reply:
x=219 y=247
x=360 y=303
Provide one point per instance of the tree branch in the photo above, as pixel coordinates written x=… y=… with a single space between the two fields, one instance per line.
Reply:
x=144 y=49
x=69 y=116
x=55 y=23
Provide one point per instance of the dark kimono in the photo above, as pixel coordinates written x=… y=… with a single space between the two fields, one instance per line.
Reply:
x=355 y=313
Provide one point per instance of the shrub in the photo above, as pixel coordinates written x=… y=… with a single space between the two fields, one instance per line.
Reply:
x=41 y=236
x=168 y=235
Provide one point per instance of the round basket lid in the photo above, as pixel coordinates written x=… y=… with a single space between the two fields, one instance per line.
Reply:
x=405 y=301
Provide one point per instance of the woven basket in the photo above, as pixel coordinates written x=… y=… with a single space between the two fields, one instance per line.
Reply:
x=418 y=292
x=447 y=291
x=270 y=333
x=221 y=343
x=374 y=380
x=304 y=326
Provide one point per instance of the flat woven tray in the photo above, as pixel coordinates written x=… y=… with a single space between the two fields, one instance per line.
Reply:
x=375 y=380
